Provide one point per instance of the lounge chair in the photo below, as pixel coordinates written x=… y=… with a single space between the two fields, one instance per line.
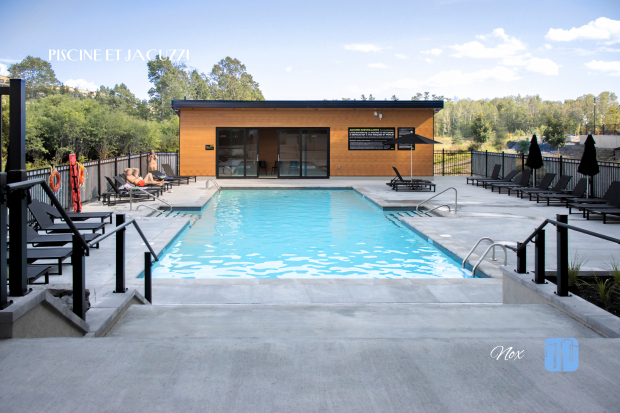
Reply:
x=164 y=177
x=46 y=224
x=119 y=183
x=168 y=170
x=52 y=240
x=34 y=272
x=578 y=192
x=399 y=181
x=603 y=212
x=77 y=216
x=494 y=174
x=522 y=181
x=543 y=185
x=508 y=178
x=58 y=254
x=557 y=189
x=158 y=190
x=611 y=200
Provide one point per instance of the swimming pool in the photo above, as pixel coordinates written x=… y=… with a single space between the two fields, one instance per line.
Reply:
x=300 y=234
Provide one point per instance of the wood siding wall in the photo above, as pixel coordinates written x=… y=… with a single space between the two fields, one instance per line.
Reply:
x=198 y=129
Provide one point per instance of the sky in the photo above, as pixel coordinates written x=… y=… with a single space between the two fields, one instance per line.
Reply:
x=301 y=50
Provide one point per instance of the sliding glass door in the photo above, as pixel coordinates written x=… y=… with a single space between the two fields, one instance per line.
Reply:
x=314 y=152
x=237 y=153
x=289 y=155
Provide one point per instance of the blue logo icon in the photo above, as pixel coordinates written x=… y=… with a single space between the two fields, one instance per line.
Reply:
x=561 y=354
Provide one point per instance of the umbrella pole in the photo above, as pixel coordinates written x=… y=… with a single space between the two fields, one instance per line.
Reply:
x=411 y=162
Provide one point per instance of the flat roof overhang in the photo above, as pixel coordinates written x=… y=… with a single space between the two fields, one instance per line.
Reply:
x=308 y=104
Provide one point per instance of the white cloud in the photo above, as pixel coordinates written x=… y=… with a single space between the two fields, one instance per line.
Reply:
x=548 y=46
x=612 y=67
x=427 y=60
x=509 y=47
x=400 y=56
x=3 y=70
x=533 y=64
x=81 y=84
x=434 y=52
x=288 y=69
x=378 y=65
x=363 y=47
x=599 y=29
x=9 y=60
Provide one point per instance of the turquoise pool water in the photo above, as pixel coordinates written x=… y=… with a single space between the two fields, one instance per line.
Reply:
x=300 y=234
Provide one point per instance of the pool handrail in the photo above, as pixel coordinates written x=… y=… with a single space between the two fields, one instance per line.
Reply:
x=149 y=194
x=475 y=246
x=219 y=188
x=417 y=208
x=495 y=244
x=440 y=206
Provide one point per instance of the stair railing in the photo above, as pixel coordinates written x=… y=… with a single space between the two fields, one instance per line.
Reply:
x=447 y=189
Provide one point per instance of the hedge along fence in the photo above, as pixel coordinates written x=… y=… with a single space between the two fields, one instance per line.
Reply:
x=482 y=163
x=94 y=175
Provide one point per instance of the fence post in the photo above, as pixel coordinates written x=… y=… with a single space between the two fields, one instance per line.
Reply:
x=79 y=278
x=521 y=259
x=443 y=162
x=522 y=161
x=471 y=172
x=539 y=264
x=115 y=165
x=4 y=303
x=486 y=163
x=99 y=178
x=503 y=172
x=120 y=255
x=148 y=285
x=560 y=167
x=562 y=254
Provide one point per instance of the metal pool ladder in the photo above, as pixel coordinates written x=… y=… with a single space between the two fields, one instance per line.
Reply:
x=447 y=189
x=219 y=188
x=492 y=246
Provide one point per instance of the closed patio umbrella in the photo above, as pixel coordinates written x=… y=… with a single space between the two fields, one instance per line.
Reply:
x=534 y=157
x=588 y=165
x=412 y=139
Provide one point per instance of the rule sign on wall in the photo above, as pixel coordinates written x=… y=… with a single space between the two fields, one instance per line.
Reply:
x=371 y=139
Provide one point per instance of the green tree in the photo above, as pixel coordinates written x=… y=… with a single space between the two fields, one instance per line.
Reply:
x=555 y=131
x=457 y=138
x=230 y=81
x=481 y=130
x=170 y=81
x=500 y=137
x=40 y=78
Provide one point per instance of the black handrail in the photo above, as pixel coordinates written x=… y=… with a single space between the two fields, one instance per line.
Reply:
x=562 y=251
x=120 y=227
x=29 y=184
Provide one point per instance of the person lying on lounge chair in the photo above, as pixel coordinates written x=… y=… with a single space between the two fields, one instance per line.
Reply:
x=133 y=176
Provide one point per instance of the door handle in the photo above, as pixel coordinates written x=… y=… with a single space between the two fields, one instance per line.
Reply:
x=256 y=157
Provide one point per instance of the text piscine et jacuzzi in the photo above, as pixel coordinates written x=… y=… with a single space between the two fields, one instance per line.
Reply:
x=300 y=234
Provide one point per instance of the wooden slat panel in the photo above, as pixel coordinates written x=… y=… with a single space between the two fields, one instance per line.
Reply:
x=198 y=129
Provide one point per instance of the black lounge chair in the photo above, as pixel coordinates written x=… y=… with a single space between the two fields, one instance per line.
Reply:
x=168 y=170
x=508 y=178
x=399 y=181
x=611 y=200
x=164 y=177
x=77 y=216
x=603 y=212
x=494 y=175
x=53 y=240
x=543 y=185
x=158 y=190
x=522 y=181
x=58 y=254
x=120 y=192
x=46 y=224
x=34 y=272
x=557 y=189
x=578 y=192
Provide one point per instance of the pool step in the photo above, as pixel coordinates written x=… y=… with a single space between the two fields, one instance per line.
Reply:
x=395 y=217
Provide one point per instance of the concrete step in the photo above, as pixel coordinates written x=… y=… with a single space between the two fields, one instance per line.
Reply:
x=367 y=321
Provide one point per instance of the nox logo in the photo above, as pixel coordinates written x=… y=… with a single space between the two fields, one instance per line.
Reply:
x=561 y=354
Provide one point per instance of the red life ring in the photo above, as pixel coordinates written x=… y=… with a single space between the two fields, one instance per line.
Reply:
x=55 y=185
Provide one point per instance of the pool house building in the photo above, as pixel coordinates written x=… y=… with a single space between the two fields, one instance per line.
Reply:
x=302 y=139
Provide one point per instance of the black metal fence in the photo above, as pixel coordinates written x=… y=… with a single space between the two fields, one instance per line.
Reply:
x=452 y=163
x=482 y=163
x=611 y=129
x=94 y=175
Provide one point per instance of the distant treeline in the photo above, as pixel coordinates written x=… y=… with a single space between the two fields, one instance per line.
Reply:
x=62 y=120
